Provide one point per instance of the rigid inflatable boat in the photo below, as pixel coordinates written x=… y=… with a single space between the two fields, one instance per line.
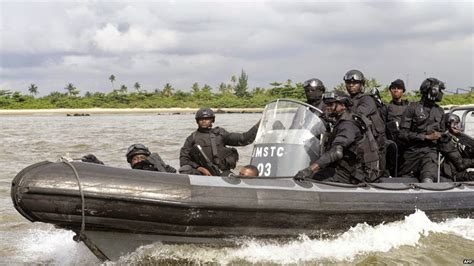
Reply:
x=114 y=210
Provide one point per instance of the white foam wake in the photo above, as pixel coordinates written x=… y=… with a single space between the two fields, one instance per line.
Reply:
x=359 y=240
x=53 y=246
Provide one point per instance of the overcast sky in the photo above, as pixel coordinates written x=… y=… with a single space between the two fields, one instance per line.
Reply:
x=52 y=43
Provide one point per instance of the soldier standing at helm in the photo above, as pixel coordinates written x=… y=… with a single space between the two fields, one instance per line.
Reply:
x=366 y=105
x=314 y=89
x=392 y=113
x=214 y=141
x=352 y=151
x=421 y=126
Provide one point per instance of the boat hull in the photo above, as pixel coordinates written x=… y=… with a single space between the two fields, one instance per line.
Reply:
x=151 y=206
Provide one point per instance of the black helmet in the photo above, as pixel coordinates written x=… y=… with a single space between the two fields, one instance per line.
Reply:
x=432 y=89
x=452 y=121
x=337 y=96
x=354 y=75
x=314 y=83
x=205 y=113
x=136 y=149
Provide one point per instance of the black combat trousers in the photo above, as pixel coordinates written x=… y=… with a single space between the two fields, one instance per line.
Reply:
x=423 y=163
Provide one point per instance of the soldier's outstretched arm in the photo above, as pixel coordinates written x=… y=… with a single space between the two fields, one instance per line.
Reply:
x=241 y=139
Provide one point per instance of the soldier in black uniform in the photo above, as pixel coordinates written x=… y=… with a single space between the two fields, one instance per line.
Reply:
x=314 y=89
x=213 y=142
x=456 y=148
x=420 y=128
x=366 y=105
x=140 y=157
x=352 y=151
x=392 y=113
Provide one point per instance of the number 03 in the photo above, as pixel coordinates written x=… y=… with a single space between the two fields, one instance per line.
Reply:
x=264 y=169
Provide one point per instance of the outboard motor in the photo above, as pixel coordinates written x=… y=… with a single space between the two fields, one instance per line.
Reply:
x=290 y=137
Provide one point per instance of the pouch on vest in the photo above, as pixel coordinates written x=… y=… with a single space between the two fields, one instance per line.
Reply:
x=363 y=123
x=230 y=156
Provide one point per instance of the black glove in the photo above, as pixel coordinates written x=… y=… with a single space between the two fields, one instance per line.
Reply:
x=303 y=174
x=90 y=158
x=144 y=165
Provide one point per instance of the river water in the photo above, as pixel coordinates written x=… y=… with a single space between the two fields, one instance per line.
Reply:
x=25 y=140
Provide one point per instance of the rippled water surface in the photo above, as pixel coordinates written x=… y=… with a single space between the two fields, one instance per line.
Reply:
x=29 y=139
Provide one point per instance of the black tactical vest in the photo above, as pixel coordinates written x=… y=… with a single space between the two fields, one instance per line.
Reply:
x=378 y=125
x=362 y=156
x=212 y=143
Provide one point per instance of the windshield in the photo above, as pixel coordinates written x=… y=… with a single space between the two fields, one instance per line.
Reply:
x=290 y=137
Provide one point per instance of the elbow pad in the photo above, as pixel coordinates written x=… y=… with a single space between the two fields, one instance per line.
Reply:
x=334 y=154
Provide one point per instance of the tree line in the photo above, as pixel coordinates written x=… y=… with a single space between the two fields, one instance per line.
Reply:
x=232 y=94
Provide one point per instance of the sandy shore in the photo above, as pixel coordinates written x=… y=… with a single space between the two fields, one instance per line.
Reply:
x=95 y=111
x=160 y=111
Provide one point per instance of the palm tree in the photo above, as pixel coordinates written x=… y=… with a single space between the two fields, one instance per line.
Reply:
x=234 y=80
x=222 y=87
x=167 y=90
x=33 y=89
x=195 y=88
x=137 y=86
x=71 y=90
x=112 y=79
x=123 y=89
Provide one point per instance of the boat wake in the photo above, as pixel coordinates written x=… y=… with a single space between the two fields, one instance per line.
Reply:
x=357 y=241
x=55 y=246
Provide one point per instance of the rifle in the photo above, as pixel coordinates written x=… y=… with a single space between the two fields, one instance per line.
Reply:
x=201 y=158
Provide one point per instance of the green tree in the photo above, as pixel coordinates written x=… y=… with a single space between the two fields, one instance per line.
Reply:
x=71 y=90
x=195 y=88
x=33 y=89
x=222 y=87
x=206 y=89
x=137 y=87
x=233 y=79
x=123 y=89
x=242 y=86
x=167 y=90
x=5 y=93
x=112 y=79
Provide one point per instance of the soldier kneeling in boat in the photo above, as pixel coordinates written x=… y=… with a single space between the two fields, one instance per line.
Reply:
x=457 y=149
x=140 y=157
x=211 y=143
x=352 y=152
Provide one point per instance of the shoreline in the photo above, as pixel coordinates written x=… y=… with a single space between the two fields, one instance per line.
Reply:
x=99 y=111
x=158 y=111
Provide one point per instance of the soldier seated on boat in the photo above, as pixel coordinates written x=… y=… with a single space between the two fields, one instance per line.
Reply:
x=248 y=170
x=456 y=148
x=140 y=157
x=213 y=142
x=368 y=105
x=352 y=155
x=421 y=126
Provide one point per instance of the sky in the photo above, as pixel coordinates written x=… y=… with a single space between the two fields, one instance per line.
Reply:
x=53 y=43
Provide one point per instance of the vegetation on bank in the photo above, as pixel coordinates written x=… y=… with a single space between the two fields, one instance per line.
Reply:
x=234 y=94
